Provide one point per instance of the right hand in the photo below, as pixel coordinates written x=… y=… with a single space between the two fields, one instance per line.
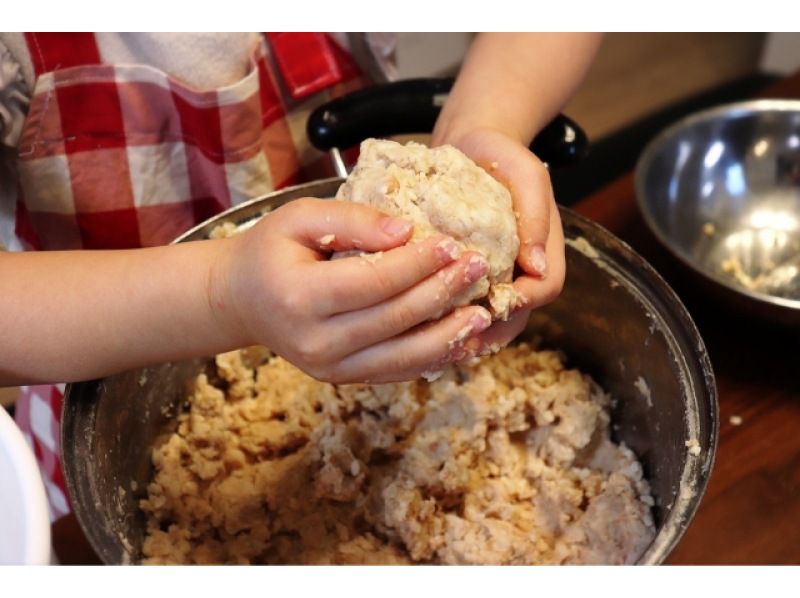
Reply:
x=538 y=226
x=349 y=319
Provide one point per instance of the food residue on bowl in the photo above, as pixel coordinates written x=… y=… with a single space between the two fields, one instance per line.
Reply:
x=694 y=447
x=733 y=267
x=782 y=279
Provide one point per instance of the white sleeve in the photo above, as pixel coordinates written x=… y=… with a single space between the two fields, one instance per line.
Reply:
x=14 y=98
x=373 y=52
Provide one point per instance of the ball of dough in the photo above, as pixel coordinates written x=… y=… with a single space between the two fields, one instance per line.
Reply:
x=440 y=190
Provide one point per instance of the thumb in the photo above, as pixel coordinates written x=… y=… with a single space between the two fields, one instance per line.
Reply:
x=333 y=225
x=527 y=179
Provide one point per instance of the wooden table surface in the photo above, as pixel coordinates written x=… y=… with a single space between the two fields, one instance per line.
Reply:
x=751 y=511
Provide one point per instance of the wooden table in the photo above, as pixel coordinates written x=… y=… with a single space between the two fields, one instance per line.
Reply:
x=751 y=511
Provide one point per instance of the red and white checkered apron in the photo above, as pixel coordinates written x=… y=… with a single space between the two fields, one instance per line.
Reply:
x=123 y=156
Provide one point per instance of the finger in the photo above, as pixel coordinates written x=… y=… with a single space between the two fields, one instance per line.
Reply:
x=424 y=349
x=357 y=282
x=329 y=225
x=536 y=292
x=531 y=191
x=425 y=301
x=498 y=335
x=532 y=194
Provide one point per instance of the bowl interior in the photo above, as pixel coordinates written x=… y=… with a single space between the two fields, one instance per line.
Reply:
x=616 y=319
x=721 y=189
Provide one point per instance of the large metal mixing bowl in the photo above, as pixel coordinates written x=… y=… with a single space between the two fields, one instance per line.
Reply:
x=721 y=190
x=616 y=319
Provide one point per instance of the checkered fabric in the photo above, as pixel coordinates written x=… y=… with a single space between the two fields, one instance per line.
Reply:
x=38 y=414
x=124 y=156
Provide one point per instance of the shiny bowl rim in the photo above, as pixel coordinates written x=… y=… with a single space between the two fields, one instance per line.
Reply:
x=645 y=160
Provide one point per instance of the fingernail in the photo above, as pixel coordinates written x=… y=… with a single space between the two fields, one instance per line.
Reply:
x=476 y=267
x=448 y=250
x=480 y=321
x=462 y=350
x=538 y=259
x=396 y=227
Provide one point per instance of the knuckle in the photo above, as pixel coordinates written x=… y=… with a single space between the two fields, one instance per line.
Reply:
x=449 y=282
x=314 y=350
x=539 y=171
x=402 y=362
x=431 y=249
x=335 y=372
x=336 y=376
x=400 y=317
x=533 y=227
x=326 y=373
x=302 y=204
x=302 y=210
x=290 y=210
x=432 y=253
x=296 y=300
x=357 y=210
x=352 y=338
x=382 y=281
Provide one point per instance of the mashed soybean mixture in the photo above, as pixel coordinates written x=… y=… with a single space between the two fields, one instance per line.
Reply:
x=504 y=461
x=440 y=190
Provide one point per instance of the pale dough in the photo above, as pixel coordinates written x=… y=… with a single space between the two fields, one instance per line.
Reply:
x=504 y=461
x=440 y=190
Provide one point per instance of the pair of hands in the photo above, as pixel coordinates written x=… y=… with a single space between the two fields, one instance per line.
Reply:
x=355 y=320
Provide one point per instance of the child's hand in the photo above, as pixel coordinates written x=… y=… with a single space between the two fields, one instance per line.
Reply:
x=349 y=319
x=541 y=252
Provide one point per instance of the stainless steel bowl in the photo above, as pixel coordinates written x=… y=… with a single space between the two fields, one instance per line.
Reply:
x=616 y=319
x=721 y=190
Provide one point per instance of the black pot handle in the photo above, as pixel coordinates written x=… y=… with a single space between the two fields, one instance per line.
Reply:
x=412 y=106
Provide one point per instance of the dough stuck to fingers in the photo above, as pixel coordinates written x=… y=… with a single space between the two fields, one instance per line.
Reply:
x=440 y=190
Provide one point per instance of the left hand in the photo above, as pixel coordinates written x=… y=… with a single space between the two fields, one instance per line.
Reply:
x=541 y=252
